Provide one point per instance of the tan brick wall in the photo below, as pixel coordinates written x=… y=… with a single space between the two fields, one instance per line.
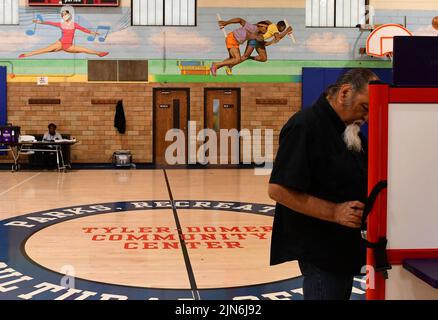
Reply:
x=92 y=125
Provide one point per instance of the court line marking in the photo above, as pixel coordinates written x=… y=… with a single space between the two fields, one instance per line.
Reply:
x=191 y=275
x=19 y=184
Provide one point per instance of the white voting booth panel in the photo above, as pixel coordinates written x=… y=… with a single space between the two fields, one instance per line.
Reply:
x=412 y=218
x=412 y=202
x=404 y=151
x=403 y=285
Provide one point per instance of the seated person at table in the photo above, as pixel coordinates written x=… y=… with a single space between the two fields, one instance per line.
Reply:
x=52 y=135
x=49 y=158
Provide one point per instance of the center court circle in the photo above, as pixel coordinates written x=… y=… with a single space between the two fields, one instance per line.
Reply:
x=212 y=250
x=142 y=248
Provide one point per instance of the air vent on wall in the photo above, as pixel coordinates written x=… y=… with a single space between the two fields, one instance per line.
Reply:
x=44 y=101
x=104 y=101
x=271 y=101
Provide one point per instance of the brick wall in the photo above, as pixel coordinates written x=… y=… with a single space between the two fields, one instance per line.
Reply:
x=92 y=124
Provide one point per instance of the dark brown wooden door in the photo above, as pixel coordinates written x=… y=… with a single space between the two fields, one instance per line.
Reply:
x=170 y=112
x=222 y=111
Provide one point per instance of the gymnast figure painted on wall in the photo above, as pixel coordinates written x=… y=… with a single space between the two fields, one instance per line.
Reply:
x=65 y=43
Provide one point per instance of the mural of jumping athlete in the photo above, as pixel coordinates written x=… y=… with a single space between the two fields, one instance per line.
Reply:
x=68 y=28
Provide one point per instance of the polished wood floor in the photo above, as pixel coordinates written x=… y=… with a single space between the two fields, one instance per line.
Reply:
x=143 y=248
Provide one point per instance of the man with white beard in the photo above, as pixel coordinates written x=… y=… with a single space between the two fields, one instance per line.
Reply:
x=319 y=181
x=352 y=138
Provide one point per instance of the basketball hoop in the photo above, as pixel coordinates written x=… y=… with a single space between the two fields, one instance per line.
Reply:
x=380 y=42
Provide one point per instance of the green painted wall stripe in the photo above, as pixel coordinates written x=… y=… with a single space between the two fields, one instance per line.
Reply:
x=279 y=67
x=47 y=67
x=225 y=78
x=168 y=70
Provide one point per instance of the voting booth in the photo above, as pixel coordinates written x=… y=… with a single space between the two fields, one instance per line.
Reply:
x=403 y=141
x=403 y=150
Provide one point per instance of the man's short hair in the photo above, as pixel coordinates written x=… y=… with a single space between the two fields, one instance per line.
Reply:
x=358 y=78
x=52 y=125
x=264 y=23
x=281 y=24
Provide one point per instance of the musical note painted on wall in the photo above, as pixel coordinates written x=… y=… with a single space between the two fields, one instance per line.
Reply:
x=102 y=35
x=106 y=31
x=31 y=32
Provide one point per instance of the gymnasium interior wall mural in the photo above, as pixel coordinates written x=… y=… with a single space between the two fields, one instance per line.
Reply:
x=183 y=54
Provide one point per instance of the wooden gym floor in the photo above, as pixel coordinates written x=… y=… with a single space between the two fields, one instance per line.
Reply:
x=140 y=234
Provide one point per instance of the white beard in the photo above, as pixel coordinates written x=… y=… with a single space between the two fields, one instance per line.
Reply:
x=351 y=137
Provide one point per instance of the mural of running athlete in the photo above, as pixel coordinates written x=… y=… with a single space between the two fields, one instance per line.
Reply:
x=237 y=37
x=276 y=31
x=68 y=28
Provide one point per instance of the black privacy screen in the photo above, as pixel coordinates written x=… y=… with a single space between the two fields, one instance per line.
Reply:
x=415 y=61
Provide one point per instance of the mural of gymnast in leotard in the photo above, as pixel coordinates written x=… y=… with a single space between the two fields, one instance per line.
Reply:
x=65 y=43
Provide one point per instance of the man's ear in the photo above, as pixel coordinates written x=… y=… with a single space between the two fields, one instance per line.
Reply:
x=345 y=90
x=345 y=93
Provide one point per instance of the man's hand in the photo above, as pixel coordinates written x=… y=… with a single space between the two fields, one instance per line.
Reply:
x=289 y=30
x=349 y=214
x=222 y=24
